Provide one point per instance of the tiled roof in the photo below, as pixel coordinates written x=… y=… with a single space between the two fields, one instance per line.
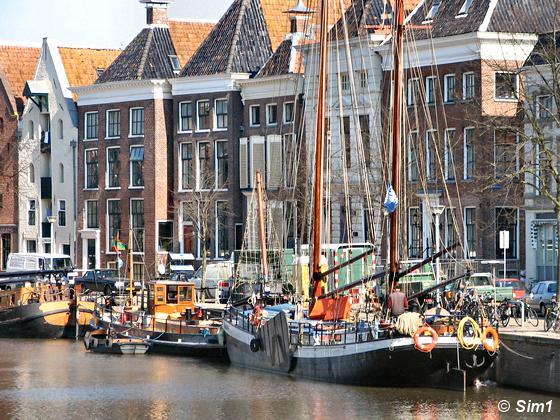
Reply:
x=279 y=62
x=18 y=65
x=238 y=43
x=81 y=64
x=545 y=51
x=361 y=17
x=187 y=37
x=146 y=57
x=526 y=16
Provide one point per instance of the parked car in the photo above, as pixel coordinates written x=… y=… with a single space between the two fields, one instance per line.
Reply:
x=483 y=283
x=541 y=296
x=219 y=278
x=517 y=285
x=103 y=280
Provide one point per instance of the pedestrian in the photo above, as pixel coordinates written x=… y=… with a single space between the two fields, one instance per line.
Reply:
x=397 y=302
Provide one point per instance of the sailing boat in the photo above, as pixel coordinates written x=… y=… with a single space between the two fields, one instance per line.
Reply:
x=324 y=345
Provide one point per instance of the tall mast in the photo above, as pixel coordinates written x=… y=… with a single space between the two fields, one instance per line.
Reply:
x=321 y=102
x=396 y=178
x=262 y=227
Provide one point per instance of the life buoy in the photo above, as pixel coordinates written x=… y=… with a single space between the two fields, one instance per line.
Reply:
x=255 y=345
x=256 y=316
x=495 y=339
x=425 y=348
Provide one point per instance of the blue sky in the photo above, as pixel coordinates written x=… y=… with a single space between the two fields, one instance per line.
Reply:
x=90 y=23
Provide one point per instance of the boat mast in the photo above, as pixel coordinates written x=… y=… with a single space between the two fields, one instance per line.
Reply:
x=131 y=264
x=262 y=227
x=396 y=142
x=320 y=132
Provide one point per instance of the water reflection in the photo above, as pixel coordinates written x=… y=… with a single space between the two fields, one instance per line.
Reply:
x=58 y=379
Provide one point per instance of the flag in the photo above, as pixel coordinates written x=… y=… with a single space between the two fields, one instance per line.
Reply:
x=391 y=199
x=118 y=245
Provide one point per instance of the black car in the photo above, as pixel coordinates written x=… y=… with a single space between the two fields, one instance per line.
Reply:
x=103 y=280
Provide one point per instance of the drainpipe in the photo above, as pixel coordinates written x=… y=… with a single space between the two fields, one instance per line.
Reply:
x=73 y=144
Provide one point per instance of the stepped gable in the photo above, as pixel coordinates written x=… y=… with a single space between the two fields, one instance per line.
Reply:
x=83 y=65
x=361 y=16
x=525 y=16
x=17 y=65
x=239 y=43
x=146 y=57
x=187 y=37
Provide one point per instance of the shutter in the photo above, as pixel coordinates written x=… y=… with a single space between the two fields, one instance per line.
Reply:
x=274 y=161
x=257 y=157
x=243 y=163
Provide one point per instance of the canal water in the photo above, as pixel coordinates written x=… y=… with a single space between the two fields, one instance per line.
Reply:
x=57 y=379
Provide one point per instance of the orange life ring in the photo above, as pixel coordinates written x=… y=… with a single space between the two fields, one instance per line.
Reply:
x=256 y=316
x=428 y=347
x=495 y=339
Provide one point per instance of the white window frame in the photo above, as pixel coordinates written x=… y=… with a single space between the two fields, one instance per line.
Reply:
x=428 y=79
x=251 y=123
x=216 y=128
x=516 y=98
x=446 y=77
x=364 y=78
x=29 y=200
x=409 y=153
x=109 y=247
x=65 y=214
x=107 y=125
x=130 y=135
x=197 y=156
x=86 y=138
x=203 y=130
x=465 y=241
x=180 y=166
x=130 y=246
x=538 y=106
x=86 y=227
x=410 y=94
x=448 y=149
x=344 y=82
x=464 y=9
x=216 y=164
x=130 y=186
x=284 y=113
x=446 y=224
x=267 y=114
x=107 y=168
x=181 y=130
x=86 y=169
x=468 y=73
x=429 y=157
x=157 y=232
x=216 y=229
x=465 y=175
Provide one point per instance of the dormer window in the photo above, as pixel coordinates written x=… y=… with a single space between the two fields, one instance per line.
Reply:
x=465 y=8
x=175 y=63
x=99 y=71
x=433 y=11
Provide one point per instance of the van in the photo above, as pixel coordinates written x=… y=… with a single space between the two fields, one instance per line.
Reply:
x=37 y=262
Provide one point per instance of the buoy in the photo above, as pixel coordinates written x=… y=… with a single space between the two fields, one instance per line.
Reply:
x=495 y=339
x=425 y=348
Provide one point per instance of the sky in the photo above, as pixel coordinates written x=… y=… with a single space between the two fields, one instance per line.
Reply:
x=90 y=23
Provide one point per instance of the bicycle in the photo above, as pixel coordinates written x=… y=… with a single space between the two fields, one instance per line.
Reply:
x=552 y=318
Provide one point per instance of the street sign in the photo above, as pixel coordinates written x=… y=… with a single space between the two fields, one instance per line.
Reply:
x=504 y=239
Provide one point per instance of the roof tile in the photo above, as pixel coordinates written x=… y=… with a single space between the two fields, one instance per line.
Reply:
x=187 y=37
x=19 y=65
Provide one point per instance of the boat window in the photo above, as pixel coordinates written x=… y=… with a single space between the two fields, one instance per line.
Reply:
x=171 y=294
x=61 y=263
x=160 y=294
x=189 y=294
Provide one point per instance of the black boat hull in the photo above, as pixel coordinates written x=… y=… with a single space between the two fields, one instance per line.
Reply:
x=388 y=362
x=37 y=320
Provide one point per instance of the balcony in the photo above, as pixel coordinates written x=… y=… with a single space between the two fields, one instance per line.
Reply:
x=46 y=188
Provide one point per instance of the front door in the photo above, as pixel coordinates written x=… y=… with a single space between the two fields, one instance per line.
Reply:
x=188 y=239
x=91 y=256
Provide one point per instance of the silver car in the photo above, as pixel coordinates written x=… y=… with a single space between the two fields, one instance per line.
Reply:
x=541 y=296
x=219 y=277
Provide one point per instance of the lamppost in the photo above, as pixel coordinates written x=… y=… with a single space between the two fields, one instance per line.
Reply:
x=437 y=210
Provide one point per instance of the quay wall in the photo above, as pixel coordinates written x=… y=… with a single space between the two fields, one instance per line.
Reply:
x=529 y=361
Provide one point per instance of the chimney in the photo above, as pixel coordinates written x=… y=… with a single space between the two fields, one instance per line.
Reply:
x=299 y=18
x=156 y=11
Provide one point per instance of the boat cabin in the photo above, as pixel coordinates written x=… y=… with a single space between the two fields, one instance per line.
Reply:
x=167 y=297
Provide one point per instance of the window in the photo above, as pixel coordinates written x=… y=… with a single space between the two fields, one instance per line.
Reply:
x=175 y=64
x=465 y=8
x=113 y=124
x=136 y=122
x=92 y=214
x=31 y=212
x=433 y=11
x=450 y=235
x=366 y=142
x=505 y=85
x=31 y=129
x=113 y=223
x=344 y=81
x=255 y=117
x=31 y=173
x=468 y=86
x=290 y=162
x=113 y=167
x=364 y=79
x=165 y=236
x=288 y=112
x=60 y=129
x=91 y=125
x=412 y=92
x=203 y=115
x=185 y=116
x=187 y=166
x=138 y=271
x=345 y=131
x=61 y=173
x=543 y=106
x=431 y=157
x=414 y=233
x=92 y=169
x=470 y=232
x=204 y=170
x=271 y=114
x=31 y=245
x=505 y=151
x=468 y=156
x=137 y=224
x=449 y=161
x=221 y=164
x=430 y=90
x=137 y=166
x=221 y=107
x=449 y=88
x=413 y=156
x=506 y=219
x=62 y=213
x=222 y=246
